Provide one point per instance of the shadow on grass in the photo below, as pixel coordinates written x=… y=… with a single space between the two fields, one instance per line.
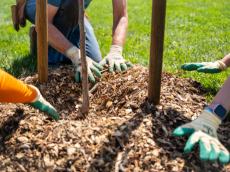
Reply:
x=25 y=66
x=21 y=66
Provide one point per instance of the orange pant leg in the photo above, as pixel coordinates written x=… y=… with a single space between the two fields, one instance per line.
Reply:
x=15 y=91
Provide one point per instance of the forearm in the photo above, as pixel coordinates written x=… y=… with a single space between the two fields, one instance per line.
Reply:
x=120 y=22
x=223 y=96
x=57 y=40
x=120 y=31
x=15 y=91
x=226 y=60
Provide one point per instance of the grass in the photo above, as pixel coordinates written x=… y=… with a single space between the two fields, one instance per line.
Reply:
x=196 y=31
x=14 y=51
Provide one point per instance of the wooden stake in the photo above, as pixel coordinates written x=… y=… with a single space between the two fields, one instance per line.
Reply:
x=85 y=87
x=156 y=50
x=42 y=40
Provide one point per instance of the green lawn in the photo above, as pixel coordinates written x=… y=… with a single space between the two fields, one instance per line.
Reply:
x=196 y=31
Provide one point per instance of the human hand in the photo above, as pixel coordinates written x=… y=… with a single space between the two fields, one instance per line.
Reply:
x=41 y=104
x=203 y=130
x=74 y=55
x=115 y=59
x=205 y=67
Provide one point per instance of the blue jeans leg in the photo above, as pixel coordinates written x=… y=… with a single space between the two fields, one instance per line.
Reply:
x=92 y=47
x=66 y=21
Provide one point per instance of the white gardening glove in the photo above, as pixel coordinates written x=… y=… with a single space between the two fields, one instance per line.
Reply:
x=41 y=104
x=74 y=55
x=115 y=59
x=206 y=67
x=203 y=130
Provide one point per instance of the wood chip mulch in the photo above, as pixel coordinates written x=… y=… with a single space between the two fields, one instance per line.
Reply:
x=122 y=132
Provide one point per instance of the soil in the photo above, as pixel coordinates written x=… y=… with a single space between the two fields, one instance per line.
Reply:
x=122 y=132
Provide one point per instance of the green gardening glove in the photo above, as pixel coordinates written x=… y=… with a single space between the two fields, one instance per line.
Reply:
x=115 y=59
x=41 y=104
x=205 y=67
x=74 y=55
x=203 y=130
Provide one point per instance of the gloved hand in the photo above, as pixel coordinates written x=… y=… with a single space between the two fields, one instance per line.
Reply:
x=203 y=130
x=206 y=67
x=75 y=56
x=41 y=104
x=114 y=58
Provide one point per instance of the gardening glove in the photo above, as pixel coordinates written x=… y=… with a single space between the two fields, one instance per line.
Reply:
x=74 y=55
x=115 y=59
x=206 y=67
x=41 y=104
x=203 y=130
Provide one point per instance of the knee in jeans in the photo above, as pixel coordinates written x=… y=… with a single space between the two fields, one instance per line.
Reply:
x=71 y=12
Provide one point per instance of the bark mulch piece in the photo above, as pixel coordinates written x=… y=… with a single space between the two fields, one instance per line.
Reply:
x=122 y=132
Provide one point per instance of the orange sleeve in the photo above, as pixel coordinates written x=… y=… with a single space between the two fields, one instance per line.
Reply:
x=15 y=91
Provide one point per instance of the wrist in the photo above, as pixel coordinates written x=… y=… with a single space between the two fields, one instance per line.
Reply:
x=38 y=94
x=115 y=49
x=218 y=110
x=222 y=65
x=208 y=116
x=212 y=113
x=74 y=54
x=226 y=60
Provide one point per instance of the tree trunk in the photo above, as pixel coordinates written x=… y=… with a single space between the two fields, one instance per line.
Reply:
x=85 y=87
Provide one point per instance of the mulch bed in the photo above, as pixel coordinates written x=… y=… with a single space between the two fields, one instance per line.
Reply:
x=122 y=132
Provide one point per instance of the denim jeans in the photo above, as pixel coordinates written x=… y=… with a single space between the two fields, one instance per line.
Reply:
x=66 y=21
